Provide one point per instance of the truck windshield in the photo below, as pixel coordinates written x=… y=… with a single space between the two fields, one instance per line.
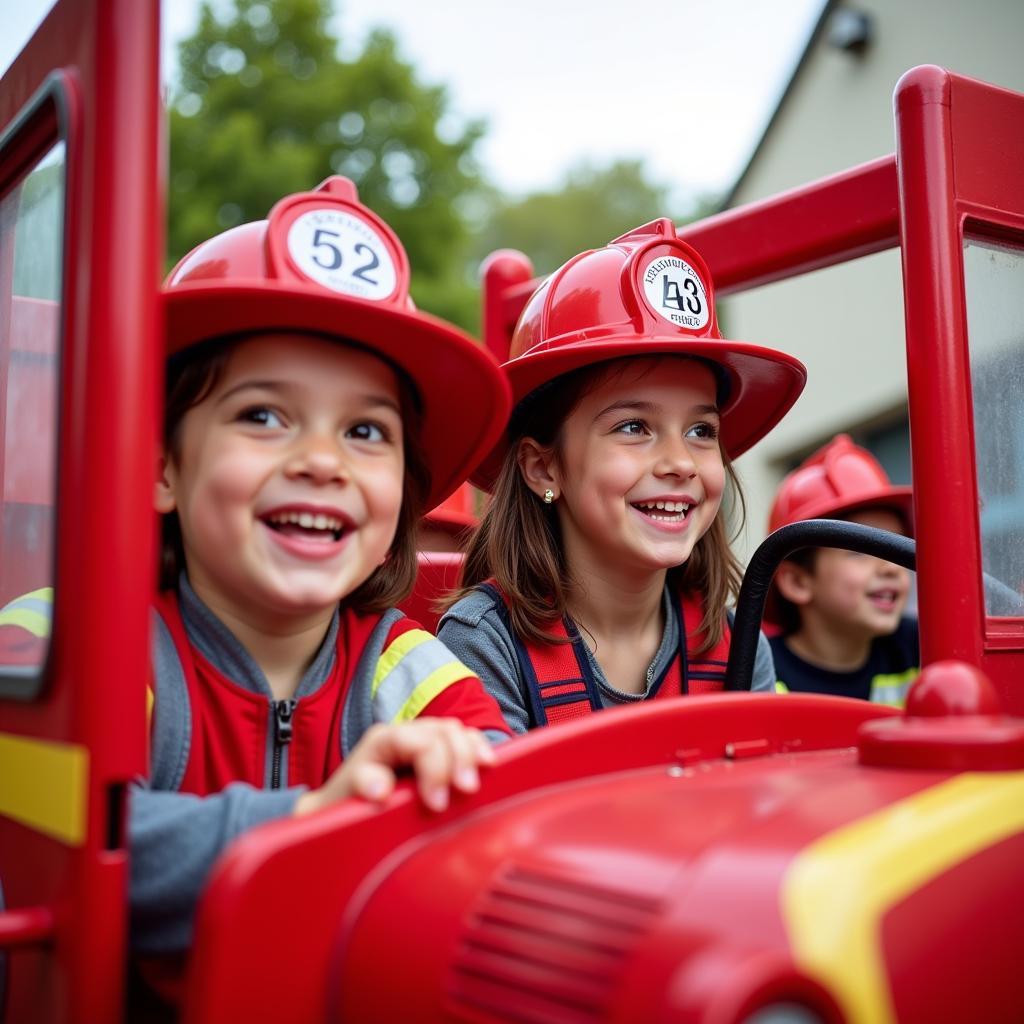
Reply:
x=31 y=256
x=994 y=277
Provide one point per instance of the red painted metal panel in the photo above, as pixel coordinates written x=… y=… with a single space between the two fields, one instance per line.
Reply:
x=915 y=936
x=105 y=54
x=234 y=974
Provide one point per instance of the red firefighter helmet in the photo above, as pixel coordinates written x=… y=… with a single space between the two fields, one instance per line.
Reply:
x=838 y=479
x=456 y=513
x=325 y=263
x=646 y=293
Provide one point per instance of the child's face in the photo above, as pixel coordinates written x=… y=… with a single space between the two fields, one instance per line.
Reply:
x=289 y=482
x=645 y=437
x=859 y=592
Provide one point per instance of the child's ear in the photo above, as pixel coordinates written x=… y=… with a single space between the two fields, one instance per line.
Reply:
x=537 y=464
x=163 y=495
x=795 y=583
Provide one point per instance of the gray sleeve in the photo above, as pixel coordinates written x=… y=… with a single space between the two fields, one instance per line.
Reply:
x=473 y=631
x=175 y=838
x=763 y=678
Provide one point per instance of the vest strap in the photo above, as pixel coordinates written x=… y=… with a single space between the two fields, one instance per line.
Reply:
x=560 y=683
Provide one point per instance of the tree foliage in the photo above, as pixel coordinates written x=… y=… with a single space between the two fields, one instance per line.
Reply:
x=265 y=106
x=594 y=206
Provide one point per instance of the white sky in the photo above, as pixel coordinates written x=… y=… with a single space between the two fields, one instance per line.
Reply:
x=686 y=86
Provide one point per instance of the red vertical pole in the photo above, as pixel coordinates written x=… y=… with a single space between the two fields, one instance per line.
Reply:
x=941 y=417
x=502 y=271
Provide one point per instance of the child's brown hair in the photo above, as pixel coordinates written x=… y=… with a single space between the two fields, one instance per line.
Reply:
x=518 y=541
x=193 y=374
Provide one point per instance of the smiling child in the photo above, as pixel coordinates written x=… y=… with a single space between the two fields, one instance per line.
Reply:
x=308 y=425
x=601 y=572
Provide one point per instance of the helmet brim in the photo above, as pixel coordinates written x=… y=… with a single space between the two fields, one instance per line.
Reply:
x=763 y=383
x=898 y=499
x=465 y=397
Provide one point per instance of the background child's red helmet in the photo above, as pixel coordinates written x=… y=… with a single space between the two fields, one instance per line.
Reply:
x=456 y=513
x=646 y=293
x=838 y=479
x=324 y=263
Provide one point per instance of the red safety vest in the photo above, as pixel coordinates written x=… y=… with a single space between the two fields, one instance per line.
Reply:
x=229 y=732
x=560 y=682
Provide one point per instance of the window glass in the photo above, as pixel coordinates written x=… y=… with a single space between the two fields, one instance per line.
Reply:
x=31 y=256
x=994 y=274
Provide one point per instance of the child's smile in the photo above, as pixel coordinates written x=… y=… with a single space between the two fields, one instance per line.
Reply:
x=309 y=531
x=670 y=512
x=289 y=482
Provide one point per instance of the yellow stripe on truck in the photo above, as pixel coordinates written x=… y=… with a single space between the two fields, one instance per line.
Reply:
x=45 y=786
x=837 y=890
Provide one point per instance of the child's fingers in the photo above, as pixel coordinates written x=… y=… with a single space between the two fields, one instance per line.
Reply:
x=441 y=752
x=434 y=763
x=372 y=781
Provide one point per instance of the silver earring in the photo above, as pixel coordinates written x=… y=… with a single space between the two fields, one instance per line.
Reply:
x=549 y=496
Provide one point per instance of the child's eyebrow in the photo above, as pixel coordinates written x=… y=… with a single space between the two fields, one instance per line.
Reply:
x=253 y=385
x=636 y=405
x=369 y=400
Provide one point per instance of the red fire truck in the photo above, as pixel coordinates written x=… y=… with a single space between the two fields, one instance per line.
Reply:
x=727 y=858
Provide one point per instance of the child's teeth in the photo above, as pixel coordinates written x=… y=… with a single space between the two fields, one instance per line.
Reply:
x=307 y=520
x=672 y=507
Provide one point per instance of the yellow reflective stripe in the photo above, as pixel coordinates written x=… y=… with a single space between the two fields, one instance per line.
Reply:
x=150 y=701
x=781 y=687
x=398 y=649
x=438 y=680
x=42 y=594
x=892 y=689
x=837 y=890
x=45 y=786
x=31 y=621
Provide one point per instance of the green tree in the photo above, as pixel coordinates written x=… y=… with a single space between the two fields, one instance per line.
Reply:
x=595 y=205
x=265 y=106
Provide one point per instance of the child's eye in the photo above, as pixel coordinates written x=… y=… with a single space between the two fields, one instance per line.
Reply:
x=632 y=428
x=373 y=432
x=703 y=431
x=262 y=416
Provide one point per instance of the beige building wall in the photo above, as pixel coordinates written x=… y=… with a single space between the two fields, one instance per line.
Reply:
x=846 y=323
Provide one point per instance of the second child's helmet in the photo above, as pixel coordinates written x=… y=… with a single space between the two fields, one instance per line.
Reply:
x=838 y=479
x=324 y=263
x=646 y=293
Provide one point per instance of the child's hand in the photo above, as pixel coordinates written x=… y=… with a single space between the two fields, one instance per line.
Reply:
x=442 y=753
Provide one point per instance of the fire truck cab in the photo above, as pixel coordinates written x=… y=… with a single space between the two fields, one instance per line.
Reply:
x=728 y=858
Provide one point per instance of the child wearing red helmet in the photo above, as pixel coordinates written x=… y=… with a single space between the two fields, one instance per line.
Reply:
x=601 y=571
x=308 y=425
x=840 y=614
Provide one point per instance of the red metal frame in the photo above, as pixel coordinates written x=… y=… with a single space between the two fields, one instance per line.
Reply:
x=66 y=900
x=959 y=167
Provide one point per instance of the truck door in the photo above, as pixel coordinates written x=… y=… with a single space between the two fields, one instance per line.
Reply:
x=960 y=147
x=80 y=344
